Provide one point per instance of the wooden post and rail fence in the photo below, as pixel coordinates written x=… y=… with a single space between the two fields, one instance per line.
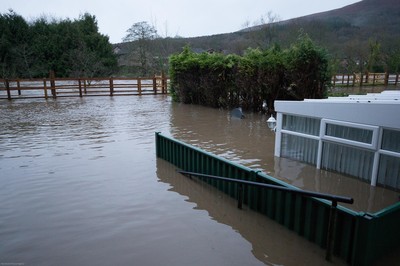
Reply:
x=365 y=79
x=81 y=87
x=53 y=87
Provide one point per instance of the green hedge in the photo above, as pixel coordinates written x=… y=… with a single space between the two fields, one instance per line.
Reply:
x=218 y=80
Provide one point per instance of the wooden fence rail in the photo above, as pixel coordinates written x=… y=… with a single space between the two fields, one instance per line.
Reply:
x=81 y=87
x=365 y=79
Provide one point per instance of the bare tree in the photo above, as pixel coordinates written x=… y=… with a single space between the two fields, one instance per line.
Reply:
x=263 y=29
x=139 y=35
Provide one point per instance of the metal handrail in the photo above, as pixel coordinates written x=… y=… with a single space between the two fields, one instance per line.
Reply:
x=333 y=198
x=297 y=191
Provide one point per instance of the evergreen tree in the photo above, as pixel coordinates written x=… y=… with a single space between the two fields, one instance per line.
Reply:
x=70 y=48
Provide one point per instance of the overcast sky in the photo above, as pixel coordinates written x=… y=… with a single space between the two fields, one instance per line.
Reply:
x=170 y=17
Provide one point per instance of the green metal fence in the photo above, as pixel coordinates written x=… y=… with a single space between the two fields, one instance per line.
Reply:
x=360 y=238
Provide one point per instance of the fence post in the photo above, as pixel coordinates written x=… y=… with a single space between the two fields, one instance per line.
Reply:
x=111 y=87
x=373 y=80
x=45 y=88
x=334 y=80
x=18 y=86
x=354 y=79
x=386 y=82
x=80 y=87
x=155 y=84
x=53 y=84
x=397 y=79
x=163 y=83
x=139 y=86
x=8 y=89
x=348 y=80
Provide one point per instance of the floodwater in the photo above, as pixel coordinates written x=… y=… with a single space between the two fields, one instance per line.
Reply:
x=80 y=185
x=249 y=142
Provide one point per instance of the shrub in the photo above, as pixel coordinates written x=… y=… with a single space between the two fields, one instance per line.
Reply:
x=218 y=80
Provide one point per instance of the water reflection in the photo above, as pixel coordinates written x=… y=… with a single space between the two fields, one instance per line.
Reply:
x=272 y=243
x=245 y=141
x=80 y=185
x=249 y=142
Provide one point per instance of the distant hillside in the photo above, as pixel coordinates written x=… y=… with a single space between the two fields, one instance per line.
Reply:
x=348 y=33
x=363 y=13
x=362 y=21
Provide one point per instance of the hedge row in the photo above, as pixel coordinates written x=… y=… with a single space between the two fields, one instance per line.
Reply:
x=218 y=80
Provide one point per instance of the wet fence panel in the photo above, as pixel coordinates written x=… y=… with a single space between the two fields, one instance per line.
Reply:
x=359 y=238
x=81 y=87
x=365 y=79
x=376 y=234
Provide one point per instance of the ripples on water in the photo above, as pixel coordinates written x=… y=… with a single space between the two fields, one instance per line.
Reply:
x=80 y=184
x=249 y=142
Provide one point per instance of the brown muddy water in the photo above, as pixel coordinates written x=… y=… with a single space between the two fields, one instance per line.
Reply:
x=80 y=185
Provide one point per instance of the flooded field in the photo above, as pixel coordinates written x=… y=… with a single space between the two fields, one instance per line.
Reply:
x=80 y=185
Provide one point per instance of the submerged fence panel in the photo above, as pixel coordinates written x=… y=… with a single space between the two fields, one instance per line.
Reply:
x=360 y=239
x=376 y=234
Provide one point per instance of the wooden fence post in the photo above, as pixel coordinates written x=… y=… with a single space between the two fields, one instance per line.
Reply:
x=111 y=87
x=163 y=83
x=8 y=89
x=397 y=79
x=53 y=84
x=139 y=86
x=45 y=88
x=155 y=84
x=386 y=82
x=18 y=85
x=80 y=87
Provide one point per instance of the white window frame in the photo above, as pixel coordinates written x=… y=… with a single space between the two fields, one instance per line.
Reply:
x=375 y=145
x=294 y=133
x=370 y=146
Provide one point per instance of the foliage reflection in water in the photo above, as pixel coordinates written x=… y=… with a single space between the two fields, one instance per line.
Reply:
x=80 y=184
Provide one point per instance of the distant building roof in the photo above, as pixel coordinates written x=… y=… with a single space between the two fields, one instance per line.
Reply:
x=369 y=97
x=358 y=135
x=379 y=109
